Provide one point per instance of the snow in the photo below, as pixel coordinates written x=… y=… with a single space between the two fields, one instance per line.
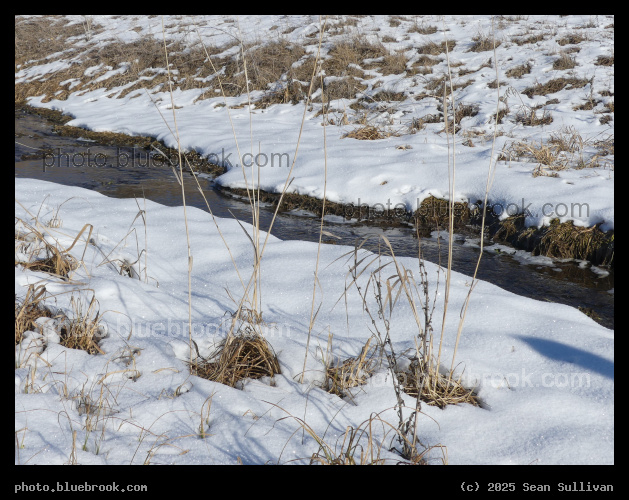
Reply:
x=543 y=371
x=357 y=168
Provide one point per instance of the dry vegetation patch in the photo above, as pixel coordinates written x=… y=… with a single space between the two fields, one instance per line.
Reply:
x=245 y=354
x=604 y=61
x=564 y=62
x=519 y=71
x=366 y=133
x=434 y=49
x=555 y=85
x=571 y=39
x=435 y=388
x=28 y=309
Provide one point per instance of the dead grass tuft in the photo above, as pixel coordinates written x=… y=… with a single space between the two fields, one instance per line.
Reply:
x=604 y=61
x=38 y=37
x=83 y=331
x=483 y=43
x=354 y=51
x=528 y=116
x=422 y=29
x=528 y=39
x=435 y=388
x=366 y=133
x=555 y=85
x=564 y=62
x=342 y=88
x=565 y=240
x=434 y=49
x=245 y=354
x=35 y=253
x=519 y=71
x=353 y=372
x=393 y=64
x=571 y=39
x=28 y=309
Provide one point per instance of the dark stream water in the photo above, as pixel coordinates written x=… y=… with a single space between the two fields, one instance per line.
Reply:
x=565 y=283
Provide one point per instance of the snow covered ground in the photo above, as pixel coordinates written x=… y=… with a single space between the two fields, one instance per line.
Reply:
x=544 y=371
x=410 y=165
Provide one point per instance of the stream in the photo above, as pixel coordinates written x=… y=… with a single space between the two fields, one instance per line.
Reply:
x=562 y=282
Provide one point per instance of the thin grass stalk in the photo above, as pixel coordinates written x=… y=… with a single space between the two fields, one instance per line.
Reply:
x=183 y=194
x=287 y=182
x=452 y=183
x=490 y=177
x=325 y=185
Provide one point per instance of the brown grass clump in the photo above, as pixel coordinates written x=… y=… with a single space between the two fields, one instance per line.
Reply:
x=604 y=61
x=387 y=95
x=353 y=372
x=42 y=255
x=544 y=154
x=245 y=354
x=433 y=49
x=28 y=310
x=83 y=331
x=483 y=43
x=366 y=133
x=342 y=88
x=395 y=21
x=529 y=117
x=565 y=240
x=434 y=388
x=555 y=85
x=38 y=37
x=564 y=149
x=353 y=51
x=564 y=62
x=519 y=71
x=422 y=29
x=528 y=39
x=393 y=64
x=571 y=39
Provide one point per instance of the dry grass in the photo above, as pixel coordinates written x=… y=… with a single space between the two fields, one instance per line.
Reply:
x=566 y=148
x=342 y=88
x=393 y=64
x=340 y=377
x=529 y=117
x=564 y=62
x=565 y=240
x=544 y=154
x=434 y=49
x=366 y=133
x=352 y=52
x=29 y=309
x=83 y=331
x=483 y=43
x=604 y=61
x=435 y=388
x=555 y=85
x=395 y=21
x=422 y=29
x=38 y=37
x=571 y=39
x=242 y=355
x=364 y=444
x=35 y=253
x=528 y=39
x=519 y=71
